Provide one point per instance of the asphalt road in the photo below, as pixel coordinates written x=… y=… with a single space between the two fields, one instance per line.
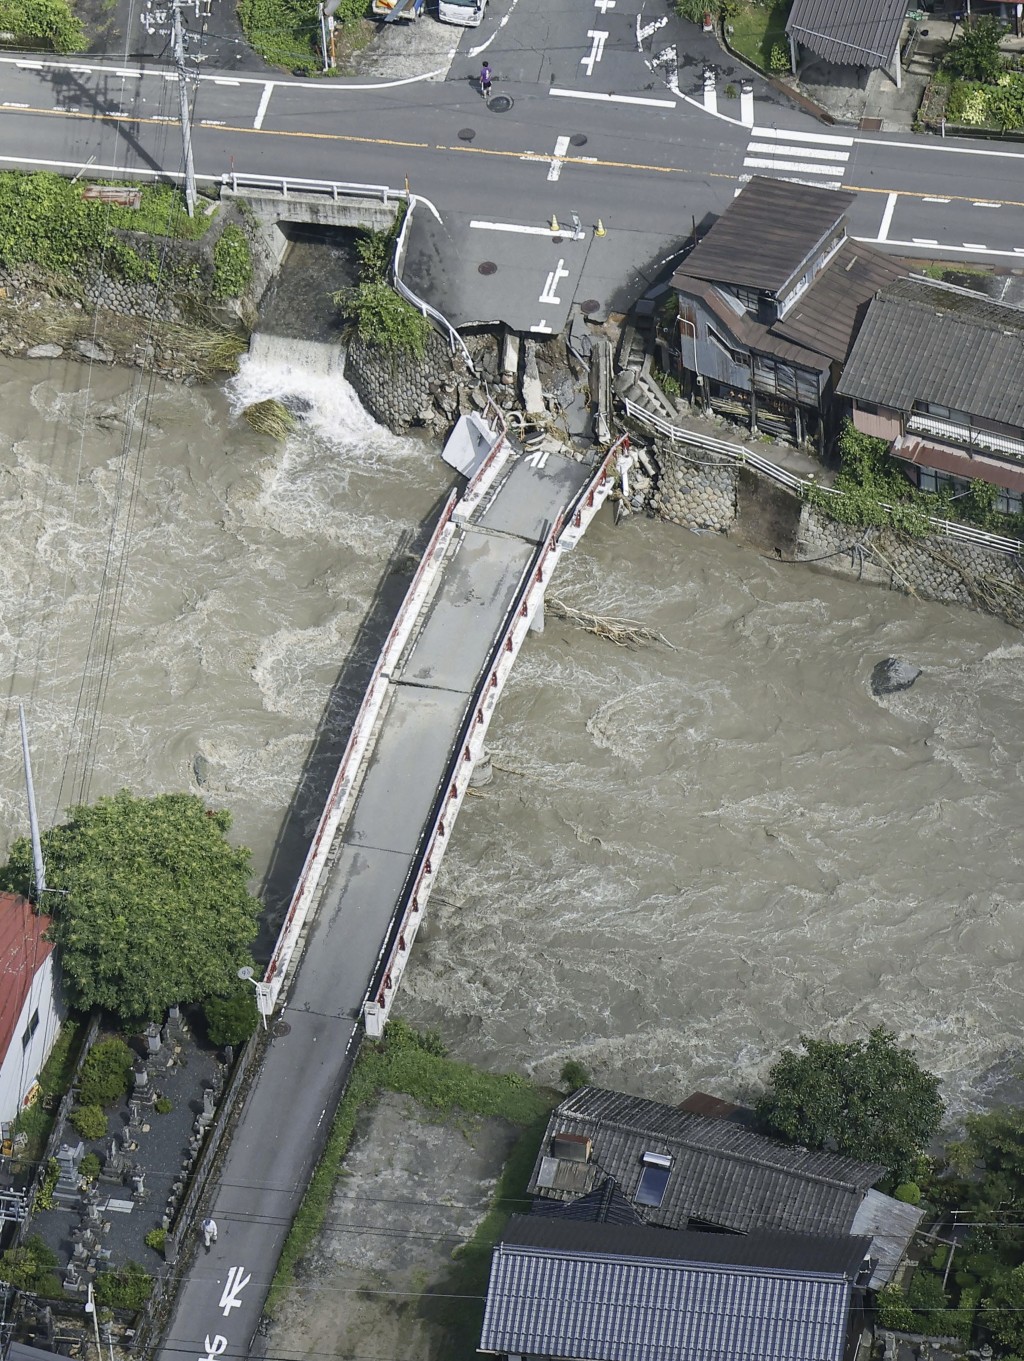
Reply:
x=590 y=128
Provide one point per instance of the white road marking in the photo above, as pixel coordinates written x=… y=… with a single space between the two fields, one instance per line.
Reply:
x=220 y=80
x=782 y=135
x=32 y=66
x=754 y=163
x=817 y=184
x=215 y=1348
x=974 y=245
x=549 y=296
x=924 y=241
x=555 y=168
x=598 y=38
x=514 y=227
x=268 y=90
x=982 y=203
x=605 y=5
x=943 y=146
x=542 y=328
x=935 y=200
x=127 y=75
x=890 y=208
x=7 y=105
x=212 y=123
x=237 y=1280
x=615 y=99
x=947 y=249
x=810 y=153
x=538 y=459
x=648 y=30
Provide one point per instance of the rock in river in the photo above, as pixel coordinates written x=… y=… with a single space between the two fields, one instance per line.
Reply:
x=893 y=674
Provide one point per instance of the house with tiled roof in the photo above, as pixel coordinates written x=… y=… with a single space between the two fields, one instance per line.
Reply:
x=608 y=1292
x=862 y=34
x=938 y=371
x=30 y=1005
x=769 y=303
x=681 y=1170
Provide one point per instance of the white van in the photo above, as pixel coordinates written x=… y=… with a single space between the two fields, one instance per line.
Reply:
x=467 y=13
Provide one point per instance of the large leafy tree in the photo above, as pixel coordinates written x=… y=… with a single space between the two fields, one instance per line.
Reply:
x=869 y=1099
x=151 y=904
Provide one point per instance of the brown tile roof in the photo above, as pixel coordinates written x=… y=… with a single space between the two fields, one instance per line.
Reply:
x=849 y=32
x=23 y=948
x=753 y=334
x=765 y=234
x=827 y=317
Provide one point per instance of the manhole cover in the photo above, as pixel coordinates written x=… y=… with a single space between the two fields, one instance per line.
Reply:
x=591 y=305
x=466 y=134
x=578 y=140
x=557 y=240
x=487 y=267
x=282 y=1028
x=500 y=103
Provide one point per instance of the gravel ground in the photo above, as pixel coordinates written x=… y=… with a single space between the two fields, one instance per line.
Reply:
x=414 y=1187
x=402 y=50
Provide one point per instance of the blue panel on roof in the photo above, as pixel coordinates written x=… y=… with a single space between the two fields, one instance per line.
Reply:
x=651 y=1190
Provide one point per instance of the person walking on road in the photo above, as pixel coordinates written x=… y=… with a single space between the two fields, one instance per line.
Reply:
x=209 y=1228
x=485 y=81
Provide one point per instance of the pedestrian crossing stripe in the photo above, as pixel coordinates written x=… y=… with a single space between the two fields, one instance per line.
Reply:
x=799 y=157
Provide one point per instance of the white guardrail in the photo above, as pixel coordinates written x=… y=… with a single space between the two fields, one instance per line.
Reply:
x=738 y=453
x=565 y=534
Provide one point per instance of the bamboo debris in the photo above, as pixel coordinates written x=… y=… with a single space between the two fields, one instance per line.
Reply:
x=622 y=632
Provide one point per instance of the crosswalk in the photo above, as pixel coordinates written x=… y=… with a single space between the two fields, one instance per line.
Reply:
x=803 y=157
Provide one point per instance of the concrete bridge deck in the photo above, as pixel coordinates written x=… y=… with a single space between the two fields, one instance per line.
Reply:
x=369 y=871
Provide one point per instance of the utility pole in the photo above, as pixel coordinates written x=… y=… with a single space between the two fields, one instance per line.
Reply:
x=186 y=116
x=38 y=868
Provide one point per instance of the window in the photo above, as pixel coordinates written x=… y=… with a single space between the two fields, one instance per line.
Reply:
x=653 y=1179
x=1006 y=502
x=30 y=1030
x=736 y=356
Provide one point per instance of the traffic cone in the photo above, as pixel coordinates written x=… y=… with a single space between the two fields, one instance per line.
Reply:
x=599 y=229
x=554 y=224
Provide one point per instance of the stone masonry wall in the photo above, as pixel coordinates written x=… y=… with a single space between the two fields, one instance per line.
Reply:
x=694 y=489
x=400 y=390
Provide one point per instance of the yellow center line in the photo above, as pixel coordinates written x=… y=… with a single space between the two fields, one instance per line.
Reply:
x=583 y=162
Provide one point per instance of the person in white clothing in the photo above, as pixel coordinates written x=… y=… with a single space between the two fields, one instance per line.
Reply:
x=209 y=1228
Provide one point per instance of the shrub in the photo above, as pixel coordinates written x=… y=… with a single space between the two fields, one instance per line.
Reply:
x=156 y=1239
x=44 y=1196
x=163 y=1105
x=129 y=1287
x=231 y=1020
x=232 y=263
x=778 y=59
x=573 y=1075
x=384 y=319
x=909 y=1192
x=893 y=1310
x=105 y=1073
x=48 y=22
x=26 y=1267
x=975 y=55
x=90 y=1121
x=90 y=1167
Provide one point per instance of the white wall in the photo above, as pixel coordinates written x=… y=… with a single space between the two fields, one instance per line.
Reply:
x=21 y=1066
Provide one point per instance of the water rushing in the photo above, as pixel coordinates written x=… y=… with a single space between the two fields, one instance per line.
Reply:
x=686 y=859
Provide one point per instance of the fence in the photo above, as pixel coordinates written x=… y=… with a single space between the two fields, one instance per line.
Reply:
x=738 y=453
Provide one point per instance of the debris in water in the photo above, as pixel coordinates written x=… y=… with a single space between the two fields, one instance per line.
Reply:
x=893 y=674
x=621 y=632
x=270 y=417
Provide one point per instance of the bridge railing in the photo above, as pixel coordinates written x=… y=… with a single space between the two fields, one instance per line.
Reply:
x=336 y=189
x=528 y=599
x=738 y=453
x=336 y=806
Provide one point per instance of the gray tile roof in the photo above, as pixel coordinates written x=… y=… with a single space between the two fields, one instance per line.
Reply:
x=849 y=32
x=930 y=342
x=722 y=1174
x=604 y=1205
x=890 y=1224
x=615 y=1305
x=766 y=233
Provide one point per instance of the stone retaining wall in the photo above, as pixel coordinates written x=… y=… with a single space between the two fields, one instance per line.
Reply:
x=694 y=489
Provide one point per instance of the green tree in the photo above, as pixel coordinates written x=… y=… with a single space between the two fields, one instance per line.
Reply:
x=231 y=1019
x=1002 y=1309
x=869 y=1099
x=975 y=55
x=152 y=905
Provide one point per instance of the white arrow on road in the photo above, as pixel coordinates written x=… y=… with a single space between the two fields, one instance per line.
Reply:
x=237 y=1281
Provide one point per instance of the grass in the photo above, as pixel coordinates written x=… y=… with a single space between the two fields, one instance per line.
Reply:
x=36 y=1121
x=416 y=1066
x=757 y=28
x=162 y=212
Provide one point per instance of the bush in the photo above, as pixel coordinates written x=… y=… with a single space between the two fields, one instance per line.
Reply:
x=573 y=1075
x=778 y=60
x=232 y=263
x=49 y=22
x=975 y=54
x=90 y=1167
x=90 y=1121
x=909 y=1192
x=44 y=1196
x=156 y=1239
x=893 y=1310
x=163 y=1105
x=105 y=1073
x=129 y=1287
x=384 y=319
x=231 y=1020
x=24 y=1268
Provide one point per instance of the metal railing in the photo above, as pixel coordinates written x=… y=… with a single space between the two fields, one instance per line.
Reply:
x=739 y=454
x=454 y=339
x=337 y=189
x=967 y=435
